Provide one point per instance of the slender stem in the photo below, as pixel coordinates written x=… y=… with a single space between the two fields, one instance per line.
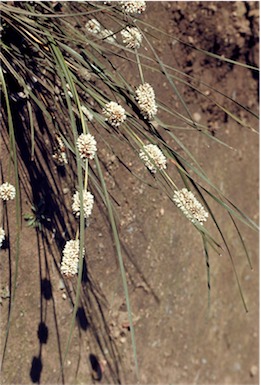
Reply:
x=139 y=66
x=136 y=138
x=86 y=175
x=169 y=179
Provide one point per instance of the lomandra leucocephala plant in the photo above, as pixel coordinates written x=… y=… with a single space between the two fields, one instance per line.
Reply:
x=68 y=75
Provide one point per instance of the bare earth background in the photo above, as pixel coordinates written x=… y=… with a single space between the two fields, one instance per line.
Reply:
x=179 y=340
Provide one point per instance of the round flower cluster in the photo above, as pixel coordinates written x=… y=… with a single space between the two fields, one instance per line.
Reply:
x=133 y=6
x=87 y=146
x=60 y=153
x=146 y=99
x=131 y=37
x=7 y=191
x=190 y=206
x=2 y=236
x=88 y=200
x=87 y=113
x=69 y=91
x=93 y=26
x=115 y=113
x=153 y=158
x=70 y=259
x=107 y=35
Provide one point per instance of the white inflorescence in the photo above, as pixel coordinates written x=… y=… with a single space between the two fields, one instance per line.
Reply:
x=153 y=157
x=107 y=35
x=131 y=37
x=87 y=113
x=93 y=26
x=88 y=200
x=190 y=206
x=146 y=100
x=115 y=113
x=69 y=91
x=2 y=236
x=87 y=146
x=133 y=6
x=7 y=191
x=70 y=259
x=60 y=153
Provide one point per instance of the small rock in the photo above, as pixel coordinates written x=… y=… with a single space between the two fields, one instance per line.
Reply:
x=212 y=7
x=64 y=296
x=65 y=190
x=197 y=117
x=123 y=340
x=112 y=158
x=253 y=370
x=116 y=333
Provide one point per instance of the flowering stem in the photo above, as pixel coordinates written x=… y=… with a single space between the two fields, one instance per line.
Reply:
x=169 y=179
x=139 y=66
x=136 y=138
x=86 y=175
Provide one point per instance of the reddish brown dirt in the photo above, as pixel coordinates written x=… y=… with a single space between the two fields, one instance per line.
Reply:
x=179 y=339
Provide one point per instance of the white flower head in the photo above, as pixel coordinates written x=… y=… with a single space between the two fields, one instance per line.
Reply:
x=69 y=91
x=115 y=113
x=70 y=259
x=107 y=35
x=2 y=236
x=93 y=26
x=131 y=37
x=146 y=100
x=7 y=191
x=153 y=158
x=87 y=113
x=88 y=201
x=60 y=152
x=87 y=146
x=133 y=6
x=190 y=206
